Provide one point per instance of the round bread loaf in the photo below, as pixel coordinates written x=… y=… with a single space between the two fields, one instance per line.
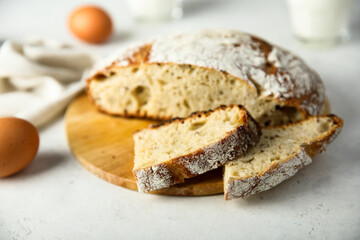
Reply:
x=173 y=76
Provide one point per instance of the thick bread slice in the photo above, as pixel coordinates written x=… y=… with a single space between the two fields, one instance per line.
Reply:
x=280 y=154
x=173 y=76
x=165 y=154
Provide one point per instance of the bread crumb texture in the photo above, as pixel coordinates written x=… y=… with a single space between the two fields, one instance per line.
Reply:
x=173 y=76
x=281 y=152
x=184 y=148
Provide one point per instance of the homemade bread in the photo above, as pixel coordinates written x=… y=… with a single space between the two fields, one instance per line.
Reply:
x=167 y=153
x=173 y=76
x=280 y=154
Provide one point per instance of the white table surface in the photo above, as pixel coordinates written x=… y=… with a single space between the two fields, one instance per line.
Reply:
x=56 y=198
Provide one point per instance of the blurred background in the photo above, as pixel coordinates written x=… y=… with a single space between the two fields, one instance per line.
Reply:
x=268 y=19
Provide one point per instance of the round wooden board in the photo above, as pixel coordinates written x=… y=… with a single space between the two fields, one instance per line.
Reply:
x=104 y=145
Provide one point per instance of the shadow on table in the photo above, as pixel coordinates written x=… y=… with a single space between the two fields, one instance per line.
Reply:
x=44 y=161
x=307 y=181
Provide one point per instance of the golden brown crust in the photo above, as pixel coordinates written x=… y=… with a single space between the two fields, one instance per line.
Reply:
x=271 y=69
x=319 y=145
x=141 y=56
x=210 y=157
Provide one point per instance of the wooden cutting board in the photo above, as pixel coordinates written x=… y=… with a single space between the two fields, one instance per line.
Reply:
x=104 y=145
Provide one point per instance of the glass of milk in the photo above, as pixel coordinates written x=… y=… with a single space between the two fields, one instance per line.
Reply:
x=156 y=10
x=320 y=22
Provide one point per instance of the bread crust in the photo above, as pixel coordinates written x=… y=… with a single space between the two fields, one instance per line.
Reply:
x=307 y=102
x=210 y=157
x=280 y=171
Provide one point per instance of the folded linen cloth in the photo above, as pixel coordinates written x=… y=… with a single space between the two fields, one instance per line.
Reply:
x=39 y=77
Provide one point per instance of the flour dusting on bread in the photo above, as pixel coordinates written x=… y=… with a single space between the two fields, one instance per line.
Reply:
x=168 y=153
x=173 y=76
x=240 y=55
x=280 y=154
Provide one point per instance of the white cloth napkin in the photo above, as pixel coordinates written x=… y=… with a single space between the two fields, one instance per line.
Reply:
x=39 y=77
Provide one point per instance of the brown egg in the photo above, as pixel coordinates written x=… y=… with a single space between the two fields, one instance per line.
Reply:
x=19 y=142
x=90 y=23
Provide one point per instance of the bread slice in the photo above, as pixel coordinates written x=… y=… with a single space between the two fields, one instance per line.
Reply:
x=165 y=154
x=280 y=154
x=173 y=76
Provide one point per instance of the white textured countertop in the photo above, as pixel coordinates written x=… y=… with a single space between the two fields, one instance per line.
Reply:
x=56 y=198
